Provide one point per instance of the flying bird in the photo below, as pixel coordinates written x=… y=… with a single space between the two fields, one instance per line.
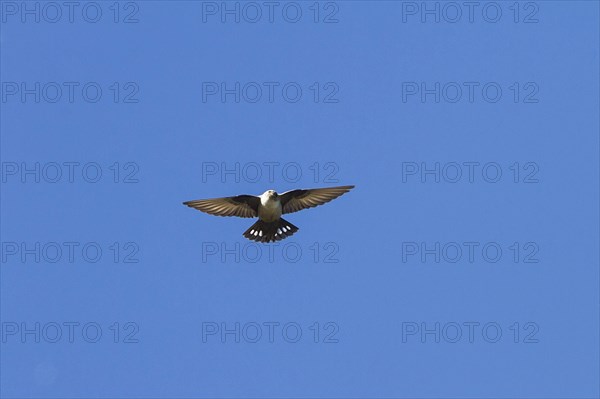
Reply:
x=268 y=207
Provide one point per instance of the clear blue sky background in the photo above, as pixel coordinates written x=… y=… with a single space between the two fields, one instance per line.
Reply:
x=371 y=293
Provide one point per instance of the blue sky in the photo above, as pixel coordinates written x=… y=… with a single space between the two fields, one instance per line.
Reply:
x=463 y=264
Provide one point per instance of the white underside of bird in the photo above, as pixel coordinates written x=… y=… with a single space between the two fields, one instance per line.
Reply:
x=270 y=208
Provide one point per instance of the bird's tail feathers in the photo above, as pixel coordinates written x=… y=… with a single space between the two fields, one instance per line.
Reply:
x=270 y=232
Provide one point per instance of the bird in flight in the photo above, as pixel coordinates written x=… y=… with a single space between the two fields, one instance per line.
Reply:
x=268 y=207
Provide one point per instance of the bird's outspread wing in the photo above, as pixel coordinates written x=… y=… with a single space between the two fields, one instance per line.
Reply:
x=244 y=206
x=296 y=200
